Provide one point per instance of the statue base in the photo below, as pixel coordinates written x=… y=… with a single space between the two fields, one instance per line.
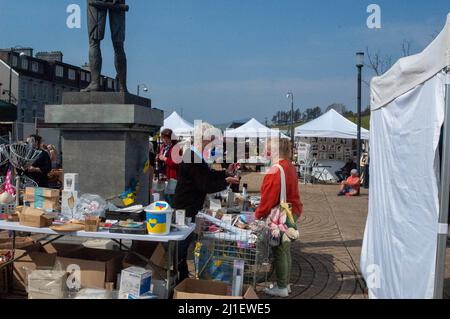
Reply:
x=106 y=143
x=81 y=98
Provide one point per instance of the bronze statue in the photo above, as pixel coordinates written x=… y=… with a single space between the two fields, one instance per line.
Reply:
x=97 y=13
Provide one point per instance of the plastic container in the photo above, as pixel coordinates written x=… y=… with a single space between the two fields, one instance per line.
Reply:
x=159 y=218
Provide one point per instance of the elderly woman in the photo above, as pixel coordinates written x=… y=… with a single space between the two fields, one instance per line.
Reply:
x=270 y=199
x=195 y=181
x=352 y=186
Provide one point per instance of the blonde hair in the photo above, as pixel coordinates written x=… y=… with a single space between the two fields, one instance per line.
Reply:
x=280 y=148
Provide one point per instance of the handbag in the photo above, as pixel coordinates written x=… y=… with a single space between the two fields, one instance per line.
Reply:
x=281 y=221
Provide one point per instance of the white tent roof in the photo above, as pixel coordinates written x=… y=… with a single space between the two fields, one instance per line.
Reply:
x=253 y=128
x=178 y=125
x=412 y=71
x=331 y=125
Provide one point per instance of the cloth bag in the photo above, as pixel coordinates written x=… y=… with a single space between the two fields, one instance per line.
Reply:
x=281 y=221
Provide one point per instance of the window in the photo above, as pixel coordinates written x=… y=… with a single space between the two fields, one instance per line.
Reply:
x=14 y=61
x=35 y=91
x=83 y=76
x=110 y=83
x=58 y=95
x=59 y=71
x=24 y=63
x=72 y=75
x=22 y=89
x=35 y=66
x=88 y=77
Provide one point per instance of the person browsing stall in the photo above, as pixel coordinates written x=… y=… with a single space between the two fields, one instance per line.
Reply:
x=270 y=198
x=42 y=165
x=195 y=181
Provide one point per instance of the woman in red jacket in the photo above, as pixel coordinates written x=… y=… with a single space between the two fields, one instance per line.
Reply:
x=270 y=198
x=169 y=157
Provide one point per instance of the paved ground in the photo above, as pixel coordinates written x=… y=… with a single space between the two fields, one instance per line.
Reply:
x=326 y=259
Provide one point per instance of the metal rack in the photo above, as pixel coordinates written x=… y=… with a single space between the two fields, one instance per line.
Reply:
x=222 y=243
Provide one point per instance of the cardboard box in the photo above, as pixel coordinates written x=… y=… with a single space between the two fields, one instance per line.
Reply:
x=203 y=289
x=38 y=258
x=44 y=198
x=71 y=182
x=21 y=242
x=33 y=217
x=135 y=281
x=47 y=284
x=97 y=266
x=159 y=257
x=68 y=200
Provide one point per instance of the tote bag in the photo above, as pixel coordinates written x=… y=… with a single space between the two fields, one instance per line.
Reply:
x=281 y=222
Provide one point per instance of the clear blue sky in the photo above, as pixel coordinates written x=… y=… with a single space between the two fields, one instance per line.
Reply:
x=220 y=60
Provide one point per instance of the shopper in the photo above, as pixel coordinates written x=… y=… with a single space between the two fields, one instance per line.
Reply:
x=170 y=157
x=195 y=181
x=352 y=186
x=270 y=199
x=42 y=165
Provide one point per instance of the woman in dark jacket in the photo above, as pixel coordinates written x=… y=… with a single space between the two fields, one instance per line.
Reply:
x=195 y=181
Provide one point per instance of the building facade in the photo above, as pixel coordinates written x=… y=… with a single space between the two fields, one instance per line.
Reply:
x=37 y=81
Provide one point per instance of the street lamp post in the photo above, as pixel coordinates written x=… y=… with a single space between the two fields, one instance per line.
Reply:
x=290 y=95
x=359 y=65
x=144 y=88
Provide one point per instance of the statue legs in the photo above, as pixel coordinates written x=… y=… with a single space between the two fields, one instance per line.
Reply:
x=120 y=61
x=95 y=64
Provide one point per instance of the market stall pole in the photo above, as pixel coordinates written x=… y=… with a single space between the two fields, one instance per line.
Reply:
x=444 y=197
x=359 y=65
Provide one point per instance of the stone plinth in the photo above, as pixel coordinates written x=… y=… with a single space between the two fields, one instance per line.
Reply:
x=107 y=144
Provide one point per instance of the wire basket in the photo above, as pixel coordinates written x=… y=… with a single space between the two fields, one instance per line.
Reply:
x=21 y=155
x=221 y=243
x=3 y=155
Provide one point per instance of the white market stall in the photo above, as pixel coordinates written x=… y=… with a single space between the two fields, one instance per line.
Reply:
x=255 y=134
x=330 y=140
x=181 y=127
x=403 y=253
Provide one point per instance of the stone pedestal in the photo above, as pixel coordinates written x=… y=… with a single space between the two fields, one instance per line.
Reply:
x=106 y=143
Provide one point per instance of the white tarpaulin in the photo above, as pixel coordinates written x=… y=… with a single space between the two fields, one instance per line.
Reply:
x=253 y=129
x=178 y=125
x=398 y=258
x=399 y=251
x=331 y=125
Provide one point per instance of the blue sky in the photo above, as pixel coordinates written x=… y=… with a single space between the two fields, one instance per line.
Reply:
x=220 y=60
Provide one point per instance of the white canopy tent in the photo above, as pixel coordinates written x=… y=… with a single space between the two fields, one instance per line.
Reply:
x=178 y=125
x=331 y=125
x=404 y=247
x=253 y=129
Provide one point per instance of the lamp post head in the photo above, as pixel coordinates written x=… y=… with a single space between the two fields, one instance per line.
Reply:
x=360 y=59
x=290 y=95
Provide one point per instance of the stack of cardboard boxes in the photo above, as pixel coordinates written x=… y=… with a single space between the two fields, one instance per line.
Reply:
x=38 y=203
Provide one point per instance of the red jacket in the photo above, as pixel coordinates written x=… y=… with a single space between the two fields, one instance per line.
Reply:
x=172 y=164
x=271 y=189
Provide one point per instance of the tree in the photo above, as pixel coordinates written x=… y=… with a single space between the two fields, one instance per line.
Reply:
x=378 y=62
